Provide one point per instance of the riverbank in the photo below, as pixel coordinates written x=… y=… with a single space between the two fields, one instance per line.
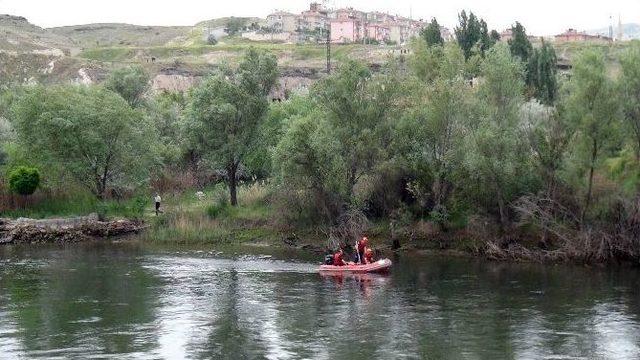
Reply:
x=206 y=221
x=64 y=230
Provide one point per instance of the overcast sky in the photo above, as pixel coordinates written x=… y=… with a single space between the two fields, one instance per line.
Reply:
x=540 y=17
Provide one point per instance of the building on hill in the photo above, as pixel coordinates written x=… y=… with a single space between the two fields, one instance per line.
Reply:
x=313 y=20
x=573 y=35
x=377 y=32
x=346 y=31
x=349 y=13
x=401 y=30
x=282 y=21
x=506 y=35
x=380 y=17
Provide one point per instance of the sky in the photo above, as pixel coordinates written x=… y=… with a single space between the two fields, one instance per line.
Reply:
x=540 y=17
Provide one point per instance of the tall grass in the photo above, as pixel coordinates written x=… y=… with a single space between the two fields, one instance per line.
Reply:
x=77 y=203
x=212 y=220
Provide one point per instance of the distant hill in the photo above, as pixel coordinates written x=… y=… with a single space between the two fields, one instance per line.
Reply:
x=631 y=31
x=101 y=35
x=17 y=34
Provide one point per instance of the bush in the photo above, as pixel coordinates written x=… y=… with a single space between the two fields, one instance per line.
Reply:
x=220 y=203
x=24 y=180
x=212 y=40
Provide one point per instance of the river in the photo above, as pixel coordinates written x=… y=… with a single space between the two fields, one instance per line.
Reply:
x=129 y=301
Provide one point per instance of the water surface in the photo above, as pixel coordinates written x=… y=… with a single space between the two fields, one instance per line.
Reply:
x=125 y=301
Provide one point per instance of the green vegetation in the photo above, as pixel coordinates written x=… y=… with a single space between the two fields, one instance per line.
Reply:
x=24 y=180
x=226 y=110
x=131 y=83
x=89 y=133
x=473 y=35
x=472 y=144
x=432 y=33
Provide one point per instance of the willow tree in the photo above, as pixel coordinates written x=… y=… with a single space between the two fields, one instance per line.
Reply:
x=129 y=82
x=593 y=106
x=226 y=110
x=496 y=156
x=357 y=106
x=88 y=132
x=429 y=135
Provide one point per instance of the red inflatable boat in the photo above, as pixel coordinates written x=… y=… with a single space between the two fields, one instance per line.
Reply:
x=380 y=266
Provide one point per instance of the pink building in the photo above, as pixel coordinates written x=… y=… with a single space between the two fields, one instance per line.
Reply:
x=344 y=31
x=377 y=32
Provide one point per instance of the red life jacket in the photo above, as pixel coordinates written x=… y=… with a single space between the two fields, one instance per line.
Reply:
x=337 y=259
x=368 y=255
x=361 y=246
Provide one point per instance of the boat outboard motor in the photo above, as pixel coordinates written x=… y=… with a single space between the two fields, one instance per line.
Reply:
x=328 y=259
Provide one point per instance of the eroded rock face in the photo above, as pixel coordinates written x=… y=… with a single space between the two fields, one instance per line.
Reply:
x=67 y=230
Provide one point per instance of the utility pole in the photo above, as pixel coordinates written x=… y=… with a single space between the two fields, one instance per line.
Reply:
x=328 y=50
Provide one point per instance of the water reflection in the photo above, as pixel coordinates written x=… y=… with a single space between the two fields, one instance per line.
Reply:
x=112 y=300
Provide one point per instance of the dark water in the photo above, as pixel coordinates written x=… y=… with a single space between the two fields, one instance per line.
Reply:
x=124 y=301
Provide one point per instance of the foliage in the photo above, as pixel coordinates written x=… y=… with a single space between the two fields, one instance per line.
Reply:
x=432 y=33
x=357 y=107
x=87 y=132
x=542 y=74
x=234 y=25
x=259 y=159
x=593 y=106
x=212 y=39
x=129 y=82
x=472 y=32
x=430 y=134
x=24 y=180
x=227 y=109
x=519 y=43
x=629 y=85
x=495 y=157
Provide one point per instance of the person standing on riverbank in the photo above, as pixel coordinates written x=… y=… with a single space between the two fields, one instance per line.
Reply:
x=157 y=199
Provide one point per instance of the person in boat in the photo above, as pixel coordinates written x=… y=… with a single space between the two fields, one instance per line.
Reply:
x=368 y=256
x=338 y=259
x=361 y=245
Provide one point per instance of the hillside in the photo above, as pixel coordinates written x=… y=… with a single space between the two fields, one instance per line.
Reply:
x=18 y=35
x=106 y=35
x=176 y=56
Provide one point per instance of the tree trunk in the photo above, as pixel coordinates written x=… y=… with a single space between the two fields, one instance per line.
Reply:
x=231 y=174
x=587 y=202
x=503 y=211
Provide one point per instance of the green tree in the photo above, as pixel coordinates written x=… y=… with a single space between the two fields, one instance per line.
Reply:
x=24 y=180
x=593 y=106
x=495 y=156
x=226 y=110
x=432 y=33
x=88 y=132
x=308 y=167
x=234 y=25
x=495 y=36
x=431 y=133
x=519 y=43
x=129 y=82
x=542 y=74
x=280 y=115
x=473 y=32
x=425 y=60
x=629 y=84
x=357 y=107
